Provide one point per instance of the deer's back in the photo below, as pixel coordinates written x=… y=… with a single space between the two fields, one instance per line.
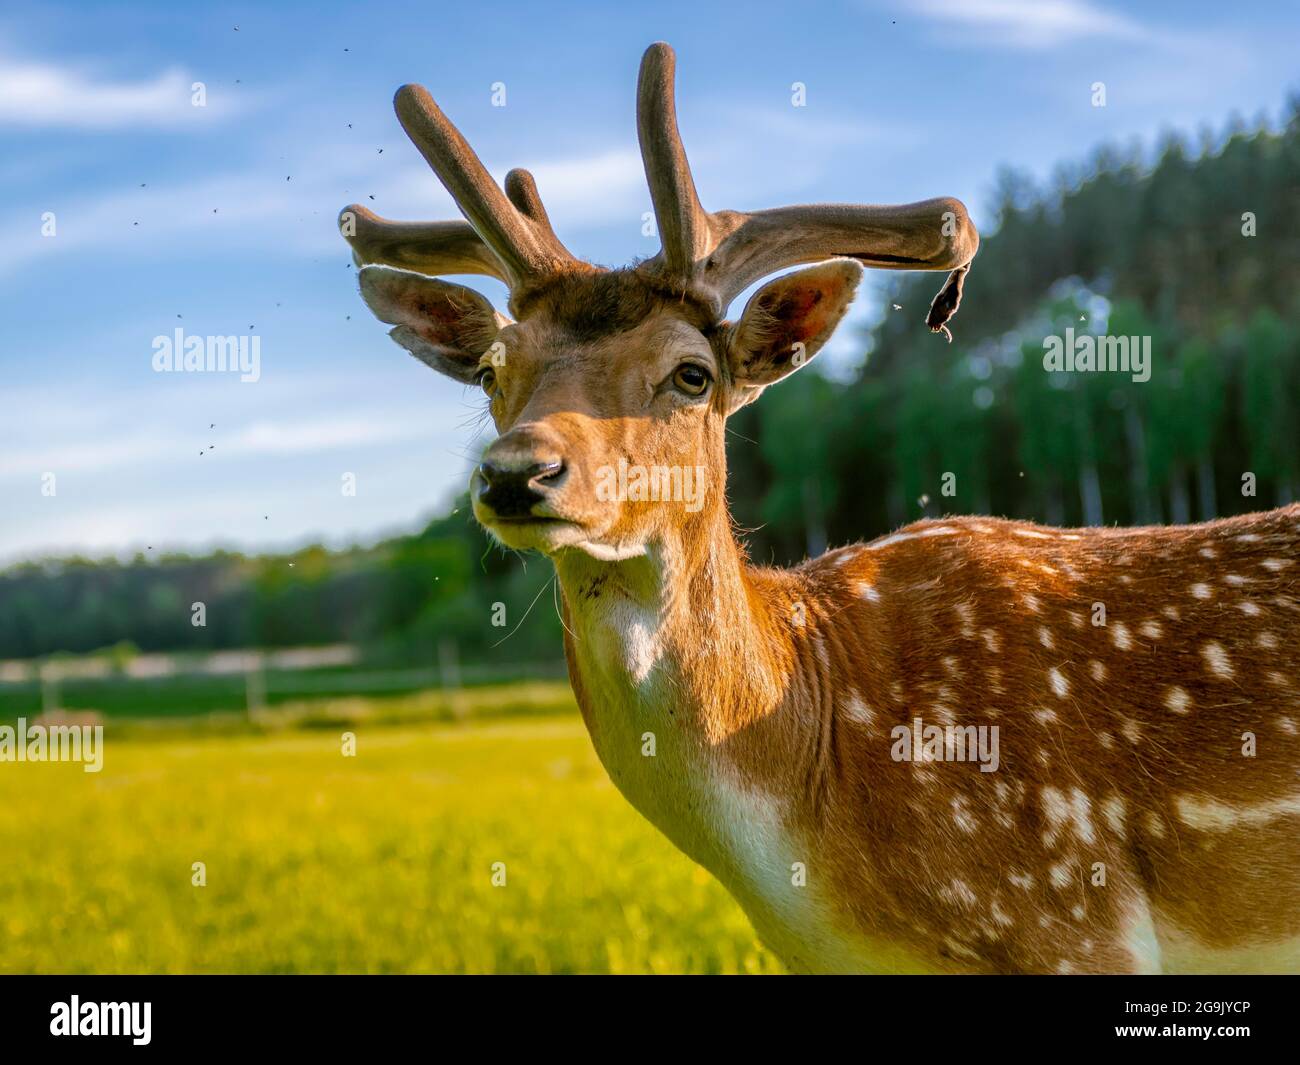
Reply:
x=1144 y=810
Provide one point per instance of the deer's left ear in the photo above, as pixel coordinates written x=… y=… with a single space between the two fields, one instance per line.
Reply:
x=785 y=324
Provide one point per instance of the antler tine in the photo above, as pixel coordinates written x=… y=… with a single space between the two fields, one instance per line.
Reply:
x=521 y=190
x=525 y=243
x=426 y=247
x=719 y=255
x=930 y=235
x=684 y=229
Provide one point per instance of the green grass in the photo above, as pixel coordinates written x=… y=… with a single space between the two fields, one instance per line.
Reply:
x=321 y=863
x=191 y=695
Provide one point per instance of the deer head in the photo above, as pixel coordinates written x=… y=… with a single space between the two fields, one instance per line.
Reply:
x=602 y=370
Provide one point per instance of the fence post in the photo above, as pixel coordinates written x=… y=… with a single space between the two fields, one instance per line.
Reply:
x=49 y=688
x=449 y=673
x=255 y=687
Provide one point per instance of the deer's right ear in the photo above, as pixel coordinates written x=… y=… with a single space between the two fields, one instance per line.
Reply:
x=443 y=325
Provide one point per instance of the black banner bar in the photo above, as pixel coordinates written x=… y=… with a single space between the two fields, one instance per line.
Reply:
x=332 y=1013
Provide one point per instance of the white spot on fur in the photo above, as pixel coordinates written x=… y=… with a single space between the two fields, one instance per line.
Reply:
x=1251 y=610
x=1216 y=658
x=1177 y=700
x=1045 y=637
x=1206 y=815
x=868 y=591
x=1276 y=564
x=1122 y=638
x=1060 y=875
x=958 y=948
x=958 y=892
x=856 y=710
x=898 y=538
x=962 y=816
x=1098 y=670
x=1059 y=811
x=1112 y=809
x=1152 y=630
x=1060 y=685
x=1056 y=810
x=1154 y=824
x=1081 y=807
x=1267 y=641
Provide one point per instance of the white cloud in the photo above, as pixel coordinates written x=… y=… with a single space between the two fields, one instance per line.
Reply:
x=256 y=207
x=129 y=472
x=315 y=435
x=592 y=190
x=40 y=94
x=163 y=420
x=1030 y=24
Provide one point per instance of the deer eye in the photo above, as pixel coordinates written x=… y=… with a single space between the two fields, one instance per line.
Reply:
x=487 y=380
x=691 y=379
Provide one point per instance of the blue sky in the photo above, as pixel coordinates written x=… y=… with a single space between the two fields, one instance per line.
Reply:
x=220 y=219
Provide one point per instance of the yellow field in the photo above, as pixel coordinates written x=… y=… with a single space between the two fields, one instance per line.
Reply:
x=382 y=862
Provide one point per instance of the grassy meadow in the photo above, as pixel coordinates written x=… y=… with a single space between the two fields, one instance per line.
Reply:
x=382 y=862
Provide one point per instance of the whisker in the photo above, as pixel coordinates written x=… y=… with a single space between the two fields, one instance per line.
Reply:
x=555 y=593
x=524 y=618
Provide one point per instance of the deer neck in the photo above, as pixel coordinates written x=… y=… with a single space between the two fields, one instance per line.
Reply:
x=683 y=666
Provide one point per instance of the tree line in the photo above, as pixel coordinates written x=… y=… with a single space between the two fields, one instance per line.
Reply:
x=1196 y=248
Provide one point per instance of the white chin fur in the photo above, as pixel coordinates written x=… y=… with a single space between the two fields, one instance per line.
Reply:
x=551 y=545
x=606 y=553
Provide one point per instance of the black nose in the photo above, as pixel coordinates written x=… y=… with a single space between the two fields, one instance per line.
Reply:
x=512 y=491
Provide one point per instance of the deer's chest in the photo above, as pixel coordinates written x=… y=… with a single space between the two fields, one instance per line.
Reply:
x=628 y=684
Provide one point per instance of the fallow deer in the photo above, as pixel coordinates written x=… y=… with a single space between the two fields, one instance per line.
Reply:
x=1139 y=807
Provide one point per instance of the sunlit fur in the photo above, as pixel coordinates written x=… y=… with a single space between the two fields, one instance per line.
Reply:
x=1145 y=812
